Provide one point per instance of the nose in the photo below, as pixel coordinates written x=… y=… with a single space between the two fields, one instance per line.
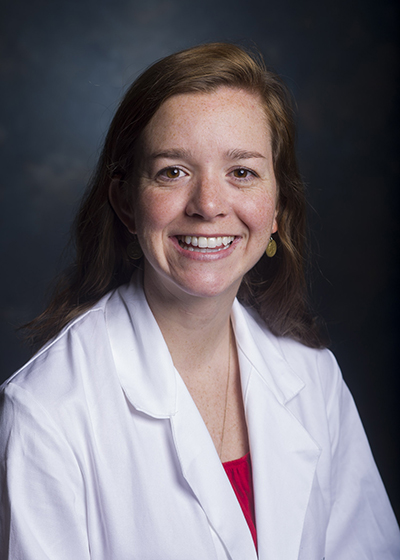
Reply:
x=207 y=199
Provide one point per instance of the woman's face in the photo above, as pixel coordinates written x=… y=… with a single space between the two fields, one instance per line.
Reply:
x=205 y=201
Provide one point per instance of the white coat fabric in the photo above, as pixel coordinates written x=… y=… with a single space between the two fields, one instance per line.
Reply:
x=106 y=457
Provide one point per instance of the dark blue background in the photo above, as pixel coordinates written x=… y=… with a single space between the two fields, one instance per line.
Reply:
x=63 y=68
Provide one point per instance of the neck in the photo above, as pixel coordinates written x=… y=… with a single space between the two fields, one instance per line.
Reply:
x=194 y=328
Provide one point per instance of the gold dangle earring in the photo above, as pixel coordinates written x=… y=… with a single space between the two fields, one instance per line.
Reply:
x=271 y=248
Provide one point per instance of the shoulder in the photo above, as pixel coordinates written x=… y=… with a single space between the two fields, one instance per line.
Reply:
x=56 y=369
x=313 y=366
x=291 y=350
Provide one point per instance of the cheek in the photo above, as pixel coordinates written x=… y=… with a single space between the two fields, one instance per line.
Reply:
x=154 y=211
x=259 y=214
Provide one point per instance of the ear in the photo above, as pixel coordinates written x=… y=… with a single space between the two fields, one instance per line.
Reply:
x=275 y=222
x=121 y=204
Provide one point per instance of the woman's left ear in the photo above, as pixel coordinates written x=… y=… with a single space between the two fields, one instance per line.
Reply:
x=275 y=224
x=120 y=203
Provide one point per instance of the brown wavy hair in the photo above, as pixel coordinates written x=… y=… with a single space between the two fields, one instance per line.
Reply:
x=275 y=287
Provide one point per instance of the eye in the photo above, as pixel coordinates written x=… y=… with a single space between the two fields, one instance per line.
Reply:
x=243 y=173
x=171 y=173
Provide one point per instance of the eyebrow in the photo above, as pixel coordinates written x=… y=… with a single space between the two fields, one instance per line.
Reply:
x=181 y=153
x=244 y=154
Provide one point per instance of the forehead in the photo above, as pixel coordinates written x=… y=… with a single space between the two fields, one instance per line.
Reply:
x=225 y=112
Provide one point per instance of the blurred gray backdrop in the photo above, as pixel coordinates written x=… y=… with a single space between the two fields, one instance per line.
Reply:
x=65 y=64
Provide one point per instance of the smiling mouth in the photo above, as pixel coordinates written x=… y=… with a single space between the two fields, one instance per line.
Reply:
x=205 y=244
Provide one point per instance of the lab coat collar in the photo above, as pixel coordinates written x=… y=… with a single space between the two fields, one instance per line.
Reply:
x=284 y=456
x=141 y=356
x=259 y=348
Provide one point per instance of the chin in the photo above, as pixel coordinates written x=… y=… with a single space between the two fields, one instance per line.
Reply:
x=210 y=288
x=194 y=282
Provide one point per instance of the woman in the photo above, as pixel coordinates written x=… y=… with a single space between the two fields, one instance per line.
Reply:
x=163 y=419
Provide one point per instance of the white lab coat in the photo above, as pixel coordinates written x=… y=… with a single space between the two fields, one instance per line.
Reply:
x=108 y=458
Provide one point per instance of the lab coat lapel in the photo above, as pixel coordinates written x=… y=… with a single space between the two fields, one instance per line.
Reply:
x=284 y=459
x=284 y=456
x=202 y=469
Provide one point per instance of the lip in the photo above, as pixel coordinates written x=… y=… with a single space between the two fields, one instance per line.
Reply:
x=194 y=242
x=208 y=235
x=205 y=254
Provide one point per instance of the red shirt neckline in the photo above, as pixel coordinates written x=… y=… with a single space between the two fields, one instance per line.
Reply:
x=240 y=476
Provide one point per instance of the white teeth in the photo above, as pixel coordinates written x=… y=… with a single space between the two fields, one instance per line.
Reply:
x=206 y=242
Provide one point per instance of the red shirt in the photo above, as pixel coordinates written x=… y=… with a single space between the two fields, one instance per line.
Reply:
x=240 y=476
